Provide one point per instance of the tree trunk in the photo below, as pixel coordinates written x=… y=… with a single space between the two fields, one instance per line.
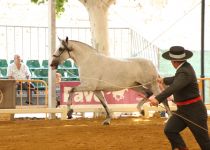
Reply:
x=98 y=15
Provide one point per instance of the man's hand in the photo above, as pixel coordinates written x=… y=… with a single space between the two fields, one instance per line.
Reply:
x=153 y=101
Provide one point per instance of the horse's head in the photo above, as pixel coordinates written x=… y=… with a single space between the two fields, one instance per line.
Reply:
x=61 y=54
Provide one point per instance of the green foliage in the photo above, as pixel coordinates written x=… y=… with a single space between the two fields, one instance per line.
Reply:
x=59 y=5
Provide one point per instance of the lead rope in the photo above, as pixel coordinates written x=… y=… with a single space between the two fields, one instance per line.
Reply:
x=188 y=120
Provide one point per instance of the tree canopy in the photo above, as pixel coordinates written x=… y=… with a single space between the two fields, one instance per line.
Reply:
x=59 y=5
x=98 y=16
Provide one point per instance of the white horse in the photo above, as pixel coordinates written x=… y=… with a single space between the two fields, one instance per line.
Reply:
x=98 y=72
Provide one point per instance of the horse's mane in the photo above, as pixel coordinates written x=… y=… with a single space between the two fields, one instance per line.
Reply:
x=84 y=44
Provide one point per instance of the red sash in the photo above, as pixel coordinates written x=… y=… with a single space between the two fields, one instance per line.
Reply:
x=187 y=102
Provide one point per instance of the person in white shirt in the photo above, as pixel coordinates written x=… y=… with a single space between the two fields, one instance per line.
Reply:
x=19 y=71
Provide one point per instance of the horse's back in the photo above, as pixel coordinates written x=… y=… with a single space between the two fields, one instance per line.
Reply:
x=146 y=71
x=145 y=66
x=137 y=68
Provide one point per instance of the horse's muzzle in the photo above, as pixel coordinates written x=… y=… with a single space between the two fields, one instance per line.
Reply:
x=54 y=65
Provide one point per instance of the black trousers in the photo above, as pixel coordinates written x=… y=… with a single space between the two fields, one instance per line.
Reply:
x=191 y=114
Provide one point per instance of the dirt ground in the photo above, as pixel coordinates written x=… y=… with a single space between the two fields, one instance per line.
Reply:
x=88 y=134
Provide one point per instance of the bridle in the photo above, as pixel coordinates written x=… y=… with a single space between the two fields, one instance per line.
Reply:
x=61 y=50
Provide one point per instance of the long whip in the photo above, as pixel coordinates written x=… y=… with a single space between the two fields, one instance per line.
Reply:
x=187 y=120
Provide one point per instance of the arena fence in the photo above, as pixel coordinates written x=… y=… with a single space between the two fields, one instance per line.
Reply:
x=204 y=82
x=41 y=88
x=32 y=42
x=33 y=91
x=37 y=97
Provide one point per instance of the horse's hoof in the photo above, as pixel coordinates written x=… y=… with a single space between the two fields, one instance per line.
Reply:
x=107 y=122
x=69 y=114
x=142 y=112
x=69 y=117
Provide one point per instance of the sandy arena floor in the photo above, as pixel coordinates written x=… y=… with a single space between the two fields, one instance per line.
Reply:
x=87 y=134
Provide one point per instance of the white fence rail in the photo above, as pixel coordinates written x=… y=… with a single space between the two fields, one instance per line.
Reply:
x=32 y=42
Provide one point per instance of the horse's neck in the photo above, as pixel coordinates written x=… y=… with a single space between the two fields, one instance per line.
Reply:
x=81 y=57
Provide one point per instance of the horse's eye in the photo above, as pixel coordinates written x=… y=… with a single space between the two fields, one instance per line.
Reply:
x=60 y=49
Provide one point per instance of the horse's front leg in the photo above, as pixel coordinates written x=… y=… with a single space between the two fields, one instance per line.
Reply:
x=100 y=96
x=70 y=98
x=69 y=103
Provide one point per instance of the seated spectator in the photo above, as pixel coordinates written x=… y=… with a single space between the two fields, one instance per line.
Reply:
x=58 y=80
x=19 y=71
x=58 y=77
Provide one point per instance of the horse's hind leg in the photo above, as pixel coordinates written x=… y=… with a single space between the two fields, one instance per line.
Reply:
x=146 y=92
x=156 y=88
x=149 y=91
x=167 y=108
x=102 y=100
x=69 y=103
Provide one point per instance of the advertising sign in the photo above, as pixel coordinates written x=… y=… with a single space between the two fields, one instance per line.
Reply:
x=125 y=96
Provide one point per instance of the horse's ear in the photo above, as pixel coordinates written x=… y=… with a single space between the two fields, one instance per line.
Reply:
x=67 y=39
x=59 y=39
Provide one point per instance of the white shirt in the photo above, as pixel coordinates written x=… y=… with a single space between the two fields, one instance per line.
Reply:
x=180 y=65
x=22 y=73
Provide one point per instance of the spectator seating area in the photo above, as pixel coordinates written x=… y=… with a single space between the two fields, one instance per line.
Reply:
x=3 y=67
x=39 y=69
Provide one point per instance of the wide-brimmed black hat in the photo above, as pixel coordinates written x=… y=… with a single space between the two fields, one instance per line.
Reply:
x=177 y=53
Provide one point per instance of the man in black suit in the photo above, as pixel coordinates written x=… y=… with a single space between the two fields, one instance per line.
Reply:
x=191 y=111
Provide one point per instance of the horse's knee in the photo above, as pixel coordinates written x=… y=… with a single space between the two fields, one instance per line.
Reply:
x=148 y=93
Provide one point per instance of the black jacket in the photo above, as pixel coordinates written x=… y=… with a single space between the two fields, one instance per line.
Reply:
x=183 y=85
